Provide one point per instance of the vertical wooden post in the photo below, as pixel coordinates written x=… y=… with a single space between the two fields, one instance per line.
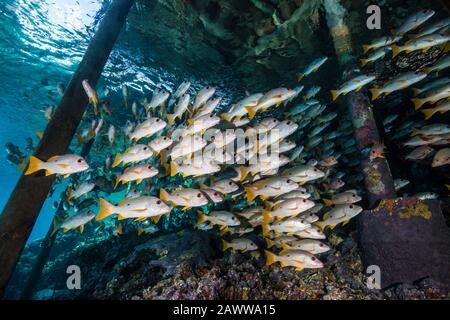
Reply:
x=25 y=202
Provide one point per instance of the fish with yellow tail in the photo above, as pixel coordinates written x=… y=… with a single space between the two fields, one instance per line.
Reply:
x=423 y=44
x=432 y=130
x=92 y=95
x=136 y=173
x=310 y=245
x=398 y=83
x=312 y=67
x=380 y=42
x=203 y=96
x=182 y=88
x=433 y=96
x=239 y=110
x=159 y=97
x=187 y=145
x=264 y=165
x=303 y=173
x=441 y=64
x=160 y=143
x=185 y=197
x=287 y=208
x=354 y=84
x=346 y=197
x=180 y=109
x=239 y=244
x=147 y=128
x=441 y=158
x=64 y=165
x=282 y=130
x=413 y=21
x=223 y=219
x=289 y=226
x=377 y=55
x=271 y=98
x=139 y=208
x=201 y=124
x=147 y=230
x=82 y=189
x=269 y=187
x=294 y=258
x=194 y=168
x=133 y=154
x=208 y=107
x=224 y=186
x=340 y=214
x=440 y=108
x=76 y=221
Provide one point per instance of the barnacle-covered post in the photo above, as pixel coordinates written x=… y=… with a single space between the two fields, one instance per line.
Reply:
x=25 y=202
x=405 y=238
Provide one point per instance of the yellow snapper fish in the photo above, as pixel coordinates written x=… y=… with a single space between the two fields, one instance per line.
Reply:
x=77 y=221
x=440 y=108
x=433 y=96
x=202 y=96
x=432 y=129
x=240 y=122
x=186 y=197
x=208 y=107
x=413 y=21
x=81 y=190
x=299 y=193
x=423 y=43
x=180 y=109
x=139 y=208
x=222 y=138
x=147 y=128
x=263 y=126
x=222 y=218
x=158 y=98
x=213 y=195
x=239 y=244
x=269 y=187
x=239 y=110
x=160 y=143
x=250 y=212
x=194 y=168
x=432 y=28
x=224 y=186
x=92 y=95
x=422 y=141
x=147 y=230
x=294 y=258
x=381 y=42
x=328 y=162
x=310 y=245
x=303 y=173
x=441 y=158
x=284 y=146
x=309 y=217
x=354 y=84
x=379 y=54
x=219 y=155
x=136 y=173
x=187 y=145
x=271 y=98
x=286 y=208
x=182 y=88
x=279 y=240
x=419 y=153
x=398 y=83
x=133 y=154
x=65 y=165
x=346 y=197
x=340 y=213
x=256 y=220
x=201 y=124
x=289 y=226
x=236 y=230
x=282 y=130
x=312 y=232
x=264 y=164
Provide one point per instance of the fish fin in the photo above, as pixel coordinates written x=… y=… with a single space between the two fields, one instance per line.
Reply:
x=298 y=269
x=271 y=258
x=395 y=50
x=364 y=62
x=428 y=113
x=365 y=48
x=265 y=229
x=345 y=222
x=225 y=245
x=417 y=103
x=117 y=183
x=243 y=172
x=186 y=208
x=119 y=229
x=66 y=229
x=163 y=195
x=285 y=247
x=138 y=181
x=326 y=215
x=203 y=186
x=140 y=231
x=39 y=134
x=375 y=93
x=34 y=165
x=69 y=194
x=320 y=225
x=267 y=217
x=270 y=243
x=251 y=112
x=81 y=229
x=226 y=117
x=106 y=209
x=202 y=218
x=334 y=94
x=117 y=160
x=250 y=194
x=328 y=202
x=121 y=217
x=174 y=168
x=170 y=119
x=156 y=219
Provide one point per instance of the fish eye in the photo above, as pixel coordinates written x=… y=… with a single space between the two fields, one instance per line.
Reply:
x=288 y=123
x=351 y=206
x=304 y=200
x=310 y=214
x=320 y=245
x=288 y=181
x=288 y=256
x=79 y=160
x=149 y=167
x=315 y=170
x=199 y=195
x=158 y=202
x=165 y=138
x=213 y=138
x=302 y=221
x=274 y=120
x=230 y=183
x=145 y=148
x=216 y=194
x=211 y=115
x=233 y=218
x=353 y=195
x=313 y=259
x=157 y=120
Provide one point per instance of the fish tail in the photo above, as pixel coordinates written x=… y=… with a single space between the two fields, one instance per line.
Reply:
x=34 y=165
x=39 y=134
x=327 y=202
x=202 y=218
x=375 y=93
x=267 y=217
x=251 y=112
x=119 y=229
x=285 y=247
x=117 y=160
x=271 y=258
x=174 y=168
x=417 y=103
x=428 y=113
x=225 y=245
x=395 y=50
x=140 y=231
x=117 y=183
x=243 y=173
x=320 y=225
x=250 y=194
x=265 y=229
x=106 y=209
x=171 y=119
x=364 y=62
x=226 y=117
x=163 y=195
x=365 y=48
x=300 y=77
x=270 y=243
x=334 y=94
